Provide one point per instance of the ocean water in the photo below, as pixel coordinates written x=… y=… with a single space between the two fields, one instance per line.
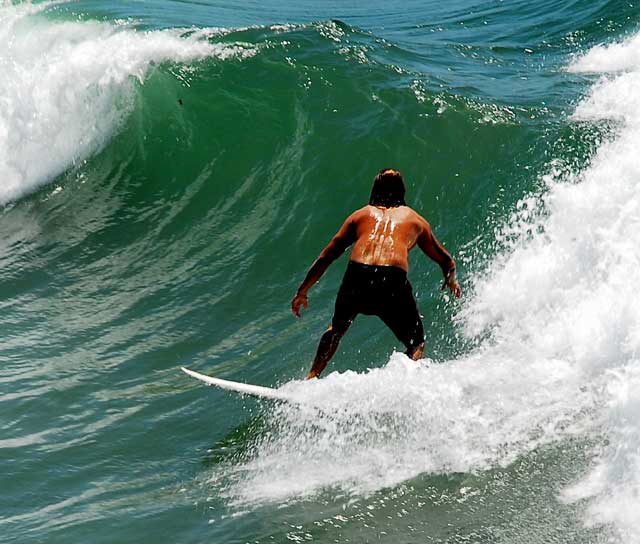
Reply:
x=168 y=172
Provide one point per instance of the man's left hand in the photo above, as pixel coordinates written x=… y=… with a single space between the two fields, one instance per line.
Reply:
x=452 y=283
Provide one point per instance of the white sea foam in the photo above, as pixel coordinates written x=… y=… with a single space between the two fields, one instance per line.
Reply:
x=390 y=424
x=614 y=57
x=611 y=188
x=560 y=315
x=66 y=86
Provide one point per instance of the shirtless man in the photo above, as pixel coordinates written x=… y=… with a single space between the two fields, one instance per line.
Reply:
x=375 y=282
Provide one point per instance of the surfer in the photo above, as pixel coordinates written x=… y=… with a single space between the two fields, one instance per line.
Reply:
x=375 y=282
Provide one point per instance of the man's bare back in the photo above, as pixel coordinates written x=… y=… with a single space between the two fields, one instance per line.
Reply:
x=382 y=237
x=385 y=236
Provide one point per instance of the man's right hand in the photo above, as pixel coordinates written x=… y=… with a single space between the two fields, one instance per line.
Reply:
x=299 y=300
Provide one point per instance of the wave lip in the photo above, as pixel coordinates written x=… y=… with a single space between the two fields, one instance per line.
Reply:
x=67 y=86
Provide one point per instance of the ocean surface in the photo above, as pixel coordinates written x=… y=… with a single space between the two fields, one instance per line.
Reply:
x=169 y=169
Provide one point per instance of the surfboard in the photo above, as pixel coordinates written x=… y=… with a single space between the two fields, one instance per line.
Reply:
x=237 y=387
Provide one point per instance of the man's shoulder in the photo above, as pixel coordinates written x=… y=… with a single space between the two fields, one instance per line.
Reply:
x=413 y=215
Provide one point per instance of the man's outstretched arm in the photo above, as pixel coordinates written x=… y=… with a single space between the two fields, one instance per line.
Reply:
x=336 y=247
x=434 y=250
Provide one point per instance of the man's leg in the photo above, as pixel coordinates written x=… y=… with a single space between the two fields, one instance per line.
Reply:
x=327 y=348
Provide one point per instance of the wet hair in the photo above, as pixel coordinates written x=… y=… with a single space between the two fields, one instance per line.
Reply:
x=388 y=189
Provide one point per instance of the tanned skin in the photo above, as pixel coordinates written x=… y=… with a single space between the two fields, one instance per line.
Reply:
x=380 y=236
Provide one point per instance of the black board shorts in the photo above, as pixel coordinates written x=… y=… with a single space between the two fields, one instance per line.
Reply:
x=383 y=291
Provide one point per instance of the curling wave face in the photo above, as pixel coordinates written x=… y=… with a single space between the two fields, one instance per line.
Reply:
x=558 y=319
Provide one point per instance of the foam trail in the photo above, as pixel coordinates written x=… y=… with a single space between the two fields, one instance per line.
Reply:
x=396 y=422
x=66 y=86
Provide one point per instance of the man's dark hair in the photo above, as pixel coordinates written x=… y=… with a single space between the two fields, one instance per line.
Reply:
x=388 y=189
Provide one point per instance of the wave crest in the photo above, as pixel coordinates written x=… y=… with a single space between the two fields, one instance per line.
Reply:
x=67 y=86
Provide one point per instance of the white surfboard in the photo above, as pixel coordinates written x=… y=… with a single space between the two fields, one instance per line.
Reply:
x=242 y=388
